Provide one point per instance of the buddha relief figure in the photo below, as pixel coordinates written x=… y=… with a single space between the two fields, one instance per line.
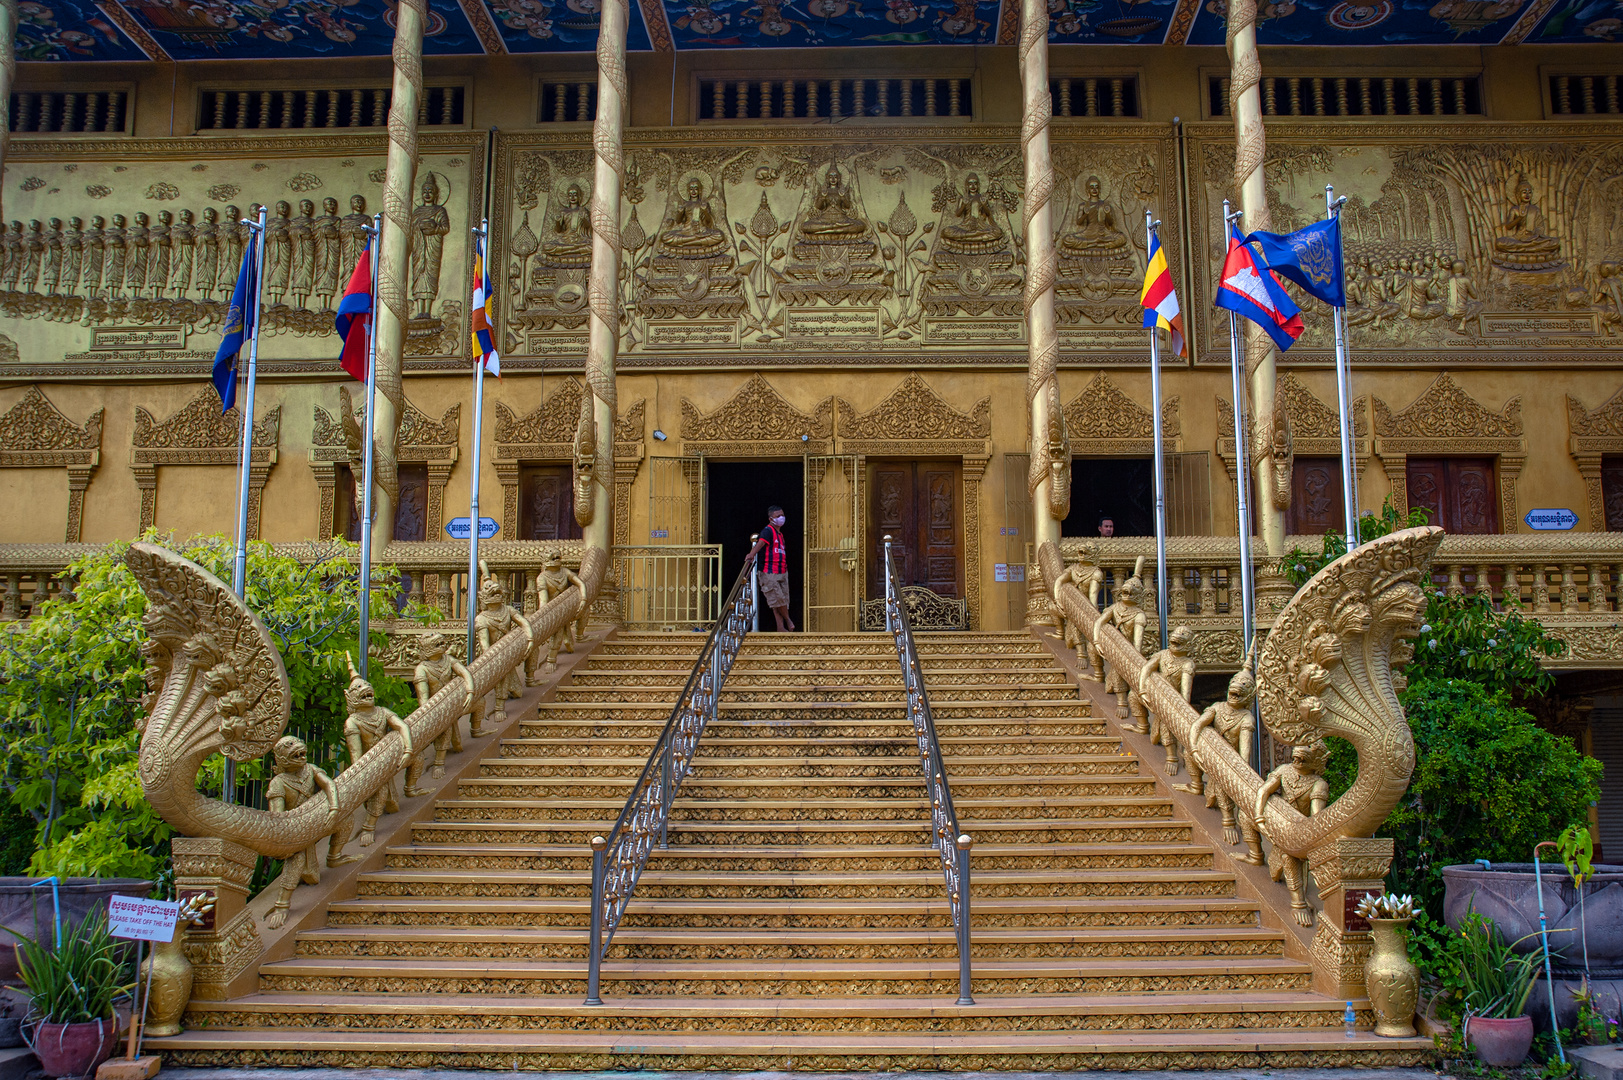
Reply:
x=833 y=219
x=232 y=237
x=73 y=241
x=834 y=253
x=569 y=241
x=11 y=265
x=117 y=256
x=183 y=236
x=1524 y=244
x=972 y=229
x=1096 y=234
x=691 y=232
x=207 y=266
x=51 y=273
x=324 y=233
x=35 y=255
x=162 y=244
x=139 y=241
x=429 y=224
x=94 y=255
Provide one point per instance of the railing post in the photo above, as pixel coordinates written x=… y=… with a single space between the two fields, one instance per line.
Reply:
x=594 y=958
x=665 y=798
x=964 y=996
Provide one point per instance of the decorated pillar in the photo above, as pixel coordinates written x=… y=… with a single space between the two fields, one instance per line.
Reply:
x=1271 y=444
x=594 y=438
x=394 y=262
x=1049 y=481
x=8 y=73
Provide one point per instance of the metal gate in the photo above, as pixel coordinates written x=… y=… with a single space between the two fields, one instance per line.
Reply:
x=676 y=500
x=832 y=556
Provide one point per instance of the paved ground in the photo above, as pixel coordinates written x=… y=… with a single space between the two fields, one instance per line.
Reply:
x=449 y=1074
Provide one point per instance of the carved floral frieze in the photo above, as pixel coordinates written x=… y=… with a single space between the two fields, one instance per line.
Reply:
x=757 y=419
x=198 y=433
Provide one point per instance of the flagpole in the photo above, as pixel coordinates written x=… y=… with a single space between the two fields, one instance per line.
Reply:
x=1150 y=225
x=482 y=232
x=239 y=569
x=363 y=646
x=1242 y=477
x=1338 y=319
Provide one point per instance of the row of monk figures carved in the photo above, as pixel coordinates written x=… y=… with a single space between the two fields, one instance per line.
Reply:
x=239 y=706
x=1363 y=608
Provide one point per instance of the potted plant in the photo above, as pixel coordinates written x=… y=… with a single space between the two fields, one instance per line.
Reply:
x=71 y=1025
x=1495 y=983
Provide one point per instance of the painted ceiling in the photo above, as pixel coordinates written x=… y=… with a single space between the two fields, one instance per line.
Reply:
x=88 y=30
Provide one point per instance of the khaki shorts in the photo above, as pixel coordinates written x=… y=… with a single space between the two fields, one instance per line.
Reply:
x=774 y=589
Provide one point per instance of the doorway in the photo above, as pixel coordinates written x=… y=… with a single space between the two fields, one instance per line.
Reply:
x=918 y=504
x=737 y=495
x=546 y=503
x=410 y=514
x=1118 y=488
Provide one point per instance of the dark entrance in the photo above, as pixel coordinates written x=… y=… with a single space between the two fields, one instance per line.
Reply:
x=737 y=494
x=917 y=504
x=1118 y=488
x=410 y=517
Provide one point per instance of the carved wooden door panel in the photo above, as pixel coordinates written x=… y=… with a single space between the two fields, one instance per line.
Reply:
x=411 y=515
x=918 y=504
x=1611 y=490
x=1461 y=493
x=546 y=500
x=1316 y=497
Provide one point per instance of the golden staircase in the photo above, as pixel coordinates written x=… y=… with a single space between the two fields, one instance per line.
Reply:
x=798 y=918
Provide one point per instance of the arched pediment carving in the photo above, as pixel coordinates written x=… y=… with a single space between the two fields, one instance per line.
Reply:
x=421 y=438
x=1103 y=420
x=552 y=421
x=200 y=425
x=1593 y=434
x=757 y=420
x=34 y=433
x=914 y=413
x=1447 y=412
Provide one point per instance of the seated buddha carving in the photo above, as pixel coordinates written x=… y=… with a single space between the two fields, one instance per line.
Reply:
x=972 y=229
x=1524 y=245
x=833 y=219
x=570 y=240
x=692 y=232
x=1096 y=235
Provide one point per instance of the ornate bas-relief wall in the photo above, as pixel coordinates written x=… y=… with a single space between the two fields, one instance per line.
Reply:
x=119 y=258
x=778 y=245
x=1463 y=240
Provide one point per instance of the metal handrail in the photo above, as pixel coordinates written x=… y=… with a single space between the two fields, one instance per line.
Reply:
x=619 y=859
x=951 y=844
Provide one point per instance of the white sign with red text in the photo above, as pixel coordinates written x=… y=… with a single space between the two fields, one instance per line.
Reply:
x=142 y=920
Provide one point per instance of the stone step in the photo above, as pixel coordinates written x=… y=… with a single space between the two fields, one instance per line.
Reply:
x=903 y=766
x=816 y=675
x=634 y=943
x=749 y=786
x=728 y=859
x=718 y=742
x=789 y=885
x=824 y=693
x=1031 y=712
x=1159 y=912
x=1164 y=830
x=789 y=977
x=972 y=812
x=883 y=661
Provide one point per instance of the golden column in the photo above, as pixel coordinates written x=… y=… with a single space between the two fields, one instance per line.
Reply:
x=1250 y=146
x=1049 y=479
x=594 y=441
x=394 y=261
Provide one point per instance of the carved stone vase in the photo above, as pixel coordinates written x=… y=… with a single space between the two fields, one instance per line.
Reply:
x=171 y=984
x=1393 y=982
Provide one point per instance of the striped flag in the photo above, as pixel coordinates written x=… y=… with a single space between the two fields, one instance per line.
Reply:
x=1160 y=300
x=354 y=317
x=484 y=330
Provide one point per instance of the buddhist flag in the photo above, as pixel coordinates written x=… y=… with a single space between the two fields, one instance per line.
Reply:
x=1160 y=300
x=484 y=332
x=355 y=317
x=1251 y=291
x=239 y=327
x=1310 y=256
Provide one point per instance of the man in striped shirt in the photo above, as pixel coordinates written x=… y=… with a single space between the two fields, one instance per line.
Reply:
x=772 y=572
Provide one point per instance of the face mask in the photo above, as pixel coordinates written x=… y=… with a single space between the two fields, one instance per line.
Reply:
x=778 y=521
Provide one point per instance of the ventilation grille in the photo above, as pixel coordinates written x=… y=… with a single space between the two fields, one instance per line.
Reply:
x=834 y=99
x=1109 y=96
x=1316 y=95
x=1584 y=95
x=70 y=111
x=350 y=107
x=563 y=102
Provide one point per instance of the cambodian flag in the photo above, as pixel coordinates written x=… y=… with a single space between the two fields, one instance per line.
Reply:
x=355 y=317
x=1252 y=292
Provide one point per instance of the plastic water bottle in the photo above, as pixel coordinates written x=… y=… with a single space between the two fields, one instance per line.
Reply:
x=1349 y=1020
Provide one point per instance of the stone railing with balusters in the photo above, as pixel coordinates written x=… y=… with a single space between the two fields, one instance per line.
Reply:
x=1571 y=582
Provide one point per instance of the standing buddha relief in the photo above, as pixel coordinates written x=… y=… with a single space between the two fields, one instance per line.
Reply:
x=142 y=250
x=1454 y=237
x=789 y=242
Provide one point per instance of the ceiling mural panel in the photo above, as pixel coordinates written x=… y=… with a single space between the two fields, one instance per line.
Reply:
x=1369 y=22
x=1105 y=22
x=70 y=30
x=788 y=24
x=552 y=26
x=289 y=29
x=1580 y=22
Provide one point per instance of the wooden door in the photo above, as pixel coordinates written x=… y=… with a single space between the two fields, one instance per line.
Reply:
x=410 y=515
x=1461 y=493
x=1316 y=503
x=918 y=504
x=1611 y=489
x=546 y=504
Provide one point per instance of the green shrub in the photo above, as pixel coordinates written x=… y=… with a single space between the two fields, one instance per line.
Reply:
x=76 y=980
x=1299 y=566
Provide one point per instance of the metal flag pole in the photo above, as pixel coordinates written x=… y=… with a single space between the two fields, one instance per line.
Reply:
x=1338 y=319
x=482 y=232
x=374 y=231
x=1150 y=225
x=1242 y=482
x=239 y=568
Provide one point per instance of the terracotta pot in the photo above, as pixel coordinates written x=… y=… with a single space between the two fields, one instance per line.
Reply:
x=1393 y=982
x=1501 y=1043
x=171 y=984
x=74 y=1050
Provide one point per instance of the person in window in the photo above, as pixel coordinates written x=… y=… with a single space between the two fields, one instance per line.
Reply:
x=772 y=571
x=1107 y=527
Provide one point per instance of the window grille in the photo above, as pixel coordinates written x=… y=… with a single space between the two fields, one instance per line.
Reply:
x=1584 y=95
x=833 y=99
x=304 y=110
x=1110 y=95
x=564 y=102
x=1327 y=95
x=70 y=111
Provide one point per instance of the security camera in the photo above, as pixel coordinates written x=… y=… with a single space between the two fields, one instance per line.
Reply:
x=805 y=438
x=659 y=435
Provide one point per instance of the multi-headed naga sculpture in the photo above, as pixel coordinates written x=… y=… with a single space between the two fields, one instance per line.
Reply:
x=221 y=688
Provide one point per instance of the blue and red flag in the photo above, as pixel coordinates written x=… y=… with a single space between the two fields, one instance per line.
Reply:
x=1248 y=288
x=355 y=316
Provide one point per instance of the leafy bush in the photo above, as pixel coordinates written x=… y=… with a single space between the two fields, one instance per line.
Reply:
x=1489 y=783
x=76 y=980
x=1463 y=637
x=1300 y=566
x=71 y=684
